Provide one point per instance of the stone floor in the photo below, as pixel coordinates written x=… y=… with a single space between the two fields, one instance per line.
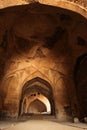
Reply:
x=47 y=123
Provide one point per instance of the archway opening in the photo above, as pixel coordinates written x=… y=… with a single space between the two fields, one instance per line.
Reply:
x=37 y=98
x=36 y=103
x=81 y=84
x=37 y=107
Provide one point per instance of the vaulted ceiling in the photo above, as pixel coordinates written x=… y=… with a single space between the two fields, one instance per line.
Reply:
x=47 y=45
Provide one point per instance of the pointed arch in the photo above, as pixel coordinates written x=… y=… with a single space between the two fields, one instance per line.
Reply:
x=38 y=85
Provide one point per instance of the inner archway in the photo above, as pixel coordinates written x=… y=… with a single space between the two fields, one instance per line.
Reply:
x=37 y=107
x=37 y=98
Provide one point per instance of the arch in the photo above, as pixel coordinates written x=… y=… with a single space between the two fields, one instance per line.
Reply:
x=37 y=85
x=65 y=4
x=79 y=61
x=37 y=106
x=80 y=76
x=35 y=96
x=35 y=81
